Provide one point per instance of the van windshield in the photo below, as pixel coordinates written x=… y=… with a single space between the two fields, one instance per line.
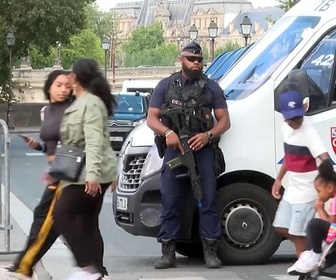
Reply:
x=129 y=104
x=264 y=58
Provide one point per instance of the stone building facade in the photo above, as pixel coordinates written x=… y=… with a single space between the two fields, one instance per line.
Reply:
x=176 y=17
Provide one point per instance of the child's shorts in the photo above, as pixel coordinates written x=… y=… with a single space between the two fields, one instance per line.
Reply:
x=294 y=217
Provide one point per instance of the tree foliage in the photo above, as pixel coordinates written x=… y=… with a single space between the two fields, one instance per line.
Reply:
x=165 y=54
x=229 y=46
x=98 y=21
x=146 y=47
x=37 y=22
x=86 y=44
x=145 y=38
x=287 y=4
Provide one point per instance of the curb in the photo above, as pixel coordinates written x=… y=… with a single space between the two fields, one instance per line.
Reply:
x=25 y=130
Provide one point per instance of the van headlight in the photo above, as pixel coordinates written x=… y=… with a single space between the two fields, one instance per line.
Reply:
x=152 y=163
x=136 y=123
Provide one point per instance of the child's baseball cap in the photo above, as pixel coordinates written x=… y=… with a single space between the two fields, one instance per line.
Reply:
x=290 y=104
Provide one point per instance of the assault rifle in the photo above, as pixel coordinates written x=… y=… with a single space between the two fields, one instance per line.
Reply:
x=187 y=158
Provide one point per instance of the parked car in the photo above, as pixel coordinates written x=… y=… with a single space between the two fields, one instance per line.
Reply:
x=131 y=111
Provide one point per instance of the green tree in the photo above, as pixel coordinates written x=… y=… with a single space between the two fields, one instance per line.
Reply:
x=144 y=38
x=86 y=44
x=229 y=46
x=287 y=4
x=37 y=22
x=100 y=22
x=165 y=54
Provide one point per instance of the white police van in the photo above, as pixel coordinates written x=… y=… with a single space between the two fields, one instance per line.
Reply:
x=297 y=52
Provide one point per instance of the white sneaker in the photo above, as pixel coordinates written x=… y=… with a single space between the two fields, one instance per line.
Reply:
x=307 y=262
x=83 y=275
x=105 y=277
x=291 y=270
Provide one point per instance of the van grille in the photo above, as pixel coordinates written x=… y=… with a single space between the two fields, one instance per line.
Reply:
x=130 y=180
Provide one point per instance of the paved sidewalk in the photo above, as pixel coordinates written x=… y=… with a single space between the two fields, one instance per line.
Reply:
x=17 y=241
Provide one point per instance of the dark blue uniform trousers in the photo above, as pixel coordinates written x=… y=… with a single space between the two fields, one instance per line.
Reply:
x=174 y=191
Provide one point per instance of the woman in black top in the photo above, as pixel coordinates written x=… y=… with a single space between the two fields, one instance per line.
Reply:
x=42 y=233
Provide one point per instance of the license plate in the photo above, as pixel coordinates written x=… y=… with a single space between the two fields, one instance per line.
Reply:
x=121 y=203
x=116 y=138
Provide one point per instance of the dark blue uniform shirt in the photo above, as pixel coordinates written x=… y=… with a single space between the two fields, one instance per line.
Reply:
x=213 y=93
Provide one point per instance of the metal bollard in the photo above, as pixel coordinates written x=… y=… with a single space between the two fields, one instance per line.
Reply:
x=5 y=187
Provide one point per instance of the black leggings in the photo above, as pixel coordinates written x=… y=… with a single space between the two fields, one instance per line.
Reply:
x=317 y=231
x=77 y=219
x=42 y=233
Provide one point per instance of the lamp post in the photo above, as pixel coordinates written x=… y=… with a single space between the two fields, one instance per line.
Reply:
x=193 y=32
x=179 y=42
x=58 y=63
x=106 y=48
x=213 y=30
x=10 y=43
x=246 y=26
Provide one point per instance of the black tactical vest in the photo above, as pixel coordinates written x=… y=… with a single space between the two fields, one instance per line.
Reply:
x=190 y=104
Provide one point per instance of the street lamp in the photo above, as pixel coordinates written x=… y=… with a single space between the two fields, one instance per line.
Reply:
x=213 y=30
x=246 y=26
x=58 y=63
x=10 y=43
x=193 y=32
x=106 y=48
x=179 y=42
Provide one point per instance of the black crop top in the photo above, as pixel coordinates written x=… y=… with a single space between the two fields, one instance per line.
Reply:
x=49 y=132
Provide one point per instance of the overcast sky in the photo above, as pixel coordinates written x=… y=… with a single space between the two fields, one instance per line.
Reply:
x=105 y=5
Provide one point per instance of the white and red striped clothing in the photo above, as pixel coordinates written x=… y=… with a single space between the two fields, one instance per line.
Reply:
x=302 y=147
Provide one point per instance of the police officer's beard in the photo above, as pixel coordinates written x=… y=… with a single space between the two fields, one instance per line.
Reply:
x=192 y=73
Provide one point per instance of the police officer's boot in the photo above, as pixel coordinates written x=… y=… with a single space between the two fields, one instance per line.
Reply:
x=210 y=254
x=168 y=259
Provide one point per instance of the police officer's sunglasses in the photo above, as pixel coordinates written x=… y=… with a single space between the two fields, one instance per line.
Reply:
x=199 y=59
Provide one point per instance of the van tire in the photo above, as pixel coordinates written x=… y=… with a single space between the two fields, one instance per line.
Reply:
x=241 y=205
x=191 y=250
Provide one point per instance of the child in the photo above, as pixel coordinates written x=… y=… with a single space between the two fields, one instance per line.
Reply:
x=324 y=228
x=302 y=146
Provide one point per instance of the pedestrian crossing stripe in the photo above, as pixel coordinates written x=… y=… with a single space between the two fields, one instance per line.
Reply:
x=34 y=154
x=290 y=277
x=175 y=278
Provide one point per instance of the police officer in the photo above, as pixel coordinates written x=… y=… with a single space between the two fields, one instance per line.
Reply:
x=193 y=96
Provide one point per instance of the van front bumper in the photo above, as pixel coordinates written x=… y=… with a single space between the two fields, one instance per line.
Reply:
x=138 y=212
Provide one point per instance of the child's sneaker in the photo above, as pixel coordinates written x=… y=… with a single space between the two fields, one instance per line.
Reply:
x=307 y=262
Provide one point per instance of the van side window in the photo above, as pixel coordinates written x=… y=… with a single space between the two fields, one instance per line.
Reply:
x=319 y=65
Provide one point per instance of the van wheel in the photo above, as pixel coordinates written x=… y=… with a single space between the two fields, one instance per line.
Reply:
x=246 y=215
x=191 y=250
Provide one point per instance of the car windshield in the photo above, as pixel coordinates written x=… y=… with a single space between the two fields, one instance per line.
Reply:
x=129 y=104
x=267 y=54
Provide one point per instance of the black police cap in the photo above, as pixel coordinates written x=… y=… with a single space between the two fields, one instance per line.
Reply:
x=193 y=47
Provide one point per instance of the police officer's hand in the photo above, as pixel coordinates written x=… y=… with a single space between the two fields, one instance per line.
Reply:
x=173 y=141
x=198 y=141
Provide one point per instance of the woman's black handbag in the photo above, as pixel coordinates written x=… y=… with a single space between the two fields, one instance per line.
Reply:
x=68 y=163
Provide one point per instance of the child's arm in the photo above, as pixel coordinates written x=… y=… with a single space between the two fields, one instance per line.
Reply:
x=320 y=209
x=277 y=183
